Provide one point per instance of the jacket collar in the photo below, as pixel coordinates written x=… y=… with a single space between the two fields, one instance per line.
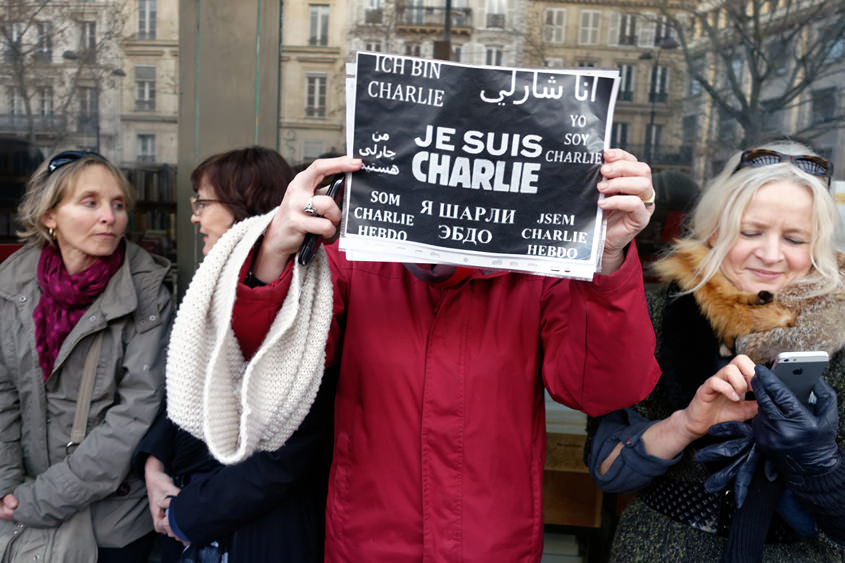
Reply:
x=758 y=325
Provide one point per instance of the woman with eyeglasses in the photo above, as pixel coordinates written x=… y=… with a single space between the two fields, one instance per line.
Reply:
x=270 y=507
x=79 y=298
x=722 y=475
x=233 y=185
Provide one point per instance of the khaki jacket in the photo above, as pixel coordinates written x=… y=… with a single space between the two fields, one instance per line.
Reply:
x=134 y=314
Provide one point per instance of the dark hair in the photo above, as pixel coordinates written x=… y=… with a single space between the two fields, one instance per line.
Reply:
x=248 y=181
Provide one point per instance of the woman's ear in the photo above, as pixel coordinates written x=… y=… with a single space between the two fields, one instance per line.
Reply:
x=711 y=242
x=49 y=219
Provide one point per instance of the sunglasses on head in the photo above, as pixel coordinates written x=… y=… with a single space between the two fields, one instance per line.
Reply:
x=811 y=164
x=66 y=157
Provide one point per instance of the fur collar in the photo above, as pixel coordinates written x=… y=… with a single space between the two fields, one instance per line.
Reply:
x=759 y=325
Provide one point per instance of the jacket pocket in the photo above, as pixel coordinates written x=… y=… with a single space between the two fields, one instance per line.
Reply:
x=339 y=478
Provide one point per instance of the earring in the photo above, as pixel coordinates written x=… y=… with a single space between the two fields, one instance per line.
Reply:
x=51 y=232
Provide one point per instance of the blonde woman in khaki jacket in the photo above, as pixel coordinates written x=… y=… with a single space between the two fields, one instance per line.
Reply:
x=76 y=278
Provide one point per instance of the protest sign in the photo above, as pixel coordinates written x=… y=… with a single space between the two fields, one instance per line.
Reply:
x=490 y=167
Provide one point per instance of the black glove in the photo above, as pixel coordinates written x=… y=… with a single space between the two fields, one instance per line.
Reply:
x=742 y=452
x=801 y=440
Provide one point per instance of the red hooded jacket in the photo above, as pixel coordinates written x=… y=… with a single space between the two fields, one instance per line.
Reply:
x=439 y=417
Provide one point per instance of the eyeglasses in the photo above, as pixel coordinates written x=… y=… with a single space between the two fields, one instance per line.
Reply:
x=811 y=164
x=66 y=157
x=198 y=204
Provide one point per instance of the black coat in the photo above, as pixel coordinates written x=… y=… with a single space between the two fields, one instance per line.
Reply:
x=268 y=508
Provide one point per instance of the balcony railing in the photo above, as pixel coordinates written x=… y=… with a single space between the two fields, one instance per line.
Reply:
x=663 y=154
x=40 y=123
x=315 y=111
x=496 y=21
x=374 y=16
x=658 y=97
x=145 y=105
x=430 y=18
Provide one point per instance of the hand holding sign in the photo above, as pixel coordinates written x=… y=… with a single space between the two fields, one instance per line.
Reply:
x=626 y=187
x=486 y=167
x=291 y=223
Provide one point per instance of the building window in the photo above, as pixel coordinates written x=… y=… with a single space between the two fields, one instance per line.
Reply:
x=374 y=12
x=44 y=52
x=373 y=46
x=493 y=55
x=689 y=128
x=772 y=118
x=315 y=96
x=553 y=62
x=736 y=67
x=824 y=105
x=626 y=84
x=586 y=64
x=836 y=50
x=456 y=53
x=662 y=30
x=619 y=135
x=778 y=52
x=694 y=86
x=414 y=12
x=44 y=96
x=89 y=110
x=145 y=88
x=13 y=46
x=659 y=85
x=588 y=33
x=16 y=106
x=496 y=10
x=653 y=139
x=627 y=29
x=726 y=127
x=146 y=147
x=319 y=16
x=88 y=36
x=555 y=28
x=146 y=19
x=413 y=49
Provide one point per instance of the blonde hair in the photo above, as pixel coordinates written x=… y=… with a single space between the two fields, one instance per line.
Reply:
x=717 y=217
x=46 y=190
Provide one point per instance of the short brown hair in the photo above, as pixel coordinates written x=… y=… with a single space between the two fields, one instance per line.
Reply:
x=249 y=181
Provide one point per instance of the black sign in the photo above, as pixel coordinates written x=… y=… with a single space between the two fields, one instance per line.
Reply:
x=485 y=166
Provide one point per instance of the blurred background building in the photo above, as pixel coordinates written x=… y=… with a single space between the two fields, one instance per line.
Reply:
x=130 y=78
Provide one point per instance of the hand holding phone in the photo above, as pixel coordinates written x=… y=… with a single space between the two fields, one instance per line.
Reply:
x=309 y=245
x=799 y=371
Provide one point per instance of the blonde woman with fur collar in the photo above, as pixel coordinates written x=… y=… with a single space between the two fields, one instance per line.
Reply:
x=721 y=475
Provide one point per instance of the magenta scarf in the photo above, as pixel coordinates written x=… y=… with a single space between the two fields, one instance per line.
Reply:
x=65 y=298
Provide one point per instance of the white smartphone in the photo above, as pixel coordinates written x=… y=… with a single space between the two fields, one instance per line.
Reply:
x=799 y=371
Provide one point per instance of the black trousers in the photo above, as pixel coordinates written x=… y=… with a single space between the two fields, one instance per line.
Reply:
x=136 y=552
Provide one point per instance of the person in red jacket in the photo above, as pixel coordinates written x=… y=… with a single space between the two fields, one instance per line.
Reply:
x=439 y=440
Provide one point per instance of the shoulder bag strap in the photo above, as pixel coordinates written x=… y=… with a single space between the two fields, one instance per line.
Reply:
x=86 y=390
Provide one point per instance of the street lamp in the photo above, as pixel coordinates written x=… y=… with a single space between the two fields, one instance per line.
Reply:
x=443 y=48
x=70 y=55
x=664 y=43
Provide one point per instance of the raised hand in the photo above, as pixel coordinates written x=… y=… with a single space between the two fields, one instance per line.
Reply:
x=627 y=187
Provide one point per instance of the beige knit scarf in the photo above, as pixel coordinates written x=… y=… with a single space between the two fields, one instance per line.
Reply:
x=238 y=407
